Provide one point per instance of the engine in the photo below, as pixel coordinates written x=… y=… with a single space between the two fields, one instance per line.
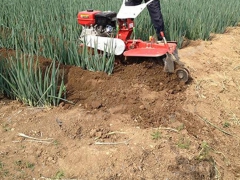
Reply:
x=97 y=23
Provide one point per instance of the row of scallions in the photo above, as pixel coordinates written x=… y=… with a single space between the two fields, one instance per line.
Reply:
x=198 y=19
x=51 y=28
x=22 y=78
x=96 y=60
x=46 y=28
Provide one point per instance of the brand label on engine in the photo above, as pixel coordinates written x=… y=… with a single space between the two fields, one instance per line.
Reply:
x=84 y=16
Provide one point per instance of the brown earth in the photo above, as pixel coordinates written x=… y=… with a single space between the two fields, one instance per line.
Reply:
x=138 y=123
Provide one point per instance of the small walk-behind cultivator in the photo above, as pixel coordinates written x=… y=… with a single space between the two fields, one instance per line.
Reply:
x=109 y=30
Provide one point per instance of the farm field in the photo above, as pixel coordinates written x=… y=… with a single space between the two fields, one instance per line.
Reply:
x=127 y=108
x=136 y=123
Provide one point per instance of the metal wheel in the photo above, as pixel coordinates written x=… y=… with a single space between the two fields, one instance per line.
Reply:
x=182 y=74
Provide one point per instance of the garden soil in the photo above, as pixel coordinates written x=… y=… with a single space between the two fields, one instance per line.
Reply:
x=138 y=123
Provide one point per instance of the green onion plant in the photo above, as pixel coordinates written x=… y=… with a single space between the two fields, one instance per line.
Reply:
x=25 y=81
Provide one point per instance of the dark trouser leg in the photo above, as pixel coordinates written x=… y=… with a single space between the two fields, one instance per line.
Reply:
x=154 y=9
x=132 y=2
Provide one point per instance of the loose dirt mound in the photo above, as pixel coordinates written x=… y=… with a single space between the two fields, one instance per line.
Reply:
x=142 y=90
x=138 y=123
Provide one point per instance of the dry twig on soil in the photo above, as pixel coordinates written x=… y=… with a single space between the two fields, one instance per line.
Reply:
x=116 y=132
x=170 y=129
x=112 y=143
x=32 y=139
x=9 y=119
x=205 y=119
x=236 y=68
x=198 y=88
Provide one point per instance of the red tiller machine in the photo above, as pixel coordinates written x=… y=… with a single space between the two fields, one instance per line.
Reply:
x=115 y=33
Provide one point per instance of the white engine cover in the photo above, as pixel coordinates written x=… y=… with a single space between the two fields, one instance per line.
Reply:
x=110 y=45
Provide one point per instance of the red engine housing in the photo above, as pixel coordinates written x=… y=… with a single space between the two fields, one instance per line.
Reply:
x=87 y=18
